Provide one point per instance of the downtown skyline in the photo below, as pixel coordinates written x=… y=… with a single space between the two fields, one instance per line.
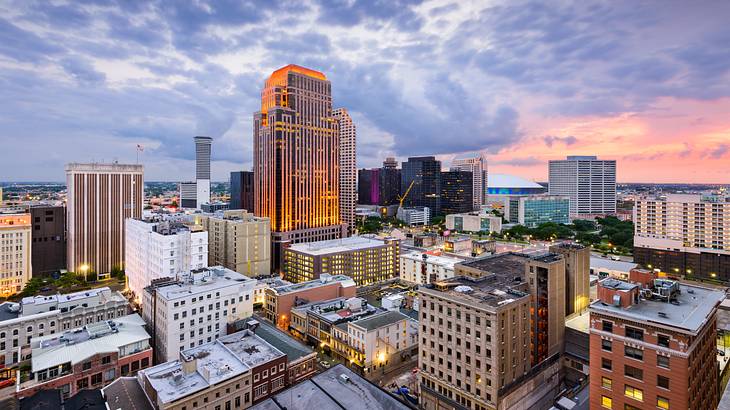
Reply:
x=641 y=85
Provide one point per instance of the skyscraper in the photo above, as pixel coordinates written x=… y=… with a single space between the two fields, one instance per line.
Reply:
x=477 y=165
x=425 y=174
x=589 y=182
x=100 y=197
x=202 y=169
x=456 y=192
x=297 y=159
x=241 y=190
x=15 y=252
x=348 y=168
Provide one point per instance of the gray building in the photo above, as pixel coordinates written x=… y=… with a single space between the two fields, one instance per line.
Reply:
x=425 y=175
x=589 y=182
x=48 y=246
x=241 y=190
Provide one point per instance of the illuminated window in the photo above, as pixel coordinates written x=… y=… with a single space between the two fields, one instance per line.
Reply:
x=606 y=402
x=662 y=403
x=606 y=382
x=634 y=393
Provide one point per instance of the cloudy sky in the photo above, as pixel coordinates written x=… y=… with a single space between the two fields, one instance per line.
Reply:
x=645 y=83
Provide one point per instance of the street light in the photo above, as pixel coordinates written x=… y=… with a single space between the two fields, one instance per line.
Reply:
x=84 y=269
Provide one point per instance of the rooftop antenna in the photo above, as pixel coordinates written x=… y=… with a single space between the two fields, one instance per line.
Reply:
x=140 y=148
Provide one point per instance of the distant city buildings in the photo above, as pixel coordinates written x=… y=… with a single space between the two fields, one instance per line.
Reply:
x=379 y=186
x=297 y=159
x=15 y=251
x=348 y=168
x=195 y=309
x=49 y=239
x=157 y=248
x=366 y=260
x=686 y=235
x=653 y=345
x=476 y=164
x=534 y=210
x=241 y=190
x=239 y=241
x=504 y=184
x=100 y=197
x=423 y=176
x=456 y=192
x=589 y=182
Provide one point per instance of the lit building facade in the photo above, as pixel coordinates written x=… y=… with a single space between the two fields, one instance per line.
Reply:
x=589 y=182
x=475 y=163
x=456 y=192
x=425 y=174
x=100 y=197
x=534 y=210
x=15 y=251
x=378 y=186
x=297 y=159
x=348 y=168
x=422 y=268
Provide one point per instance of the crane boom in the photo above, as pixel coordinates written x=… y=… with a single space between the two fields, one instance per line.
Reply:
x=403 y=198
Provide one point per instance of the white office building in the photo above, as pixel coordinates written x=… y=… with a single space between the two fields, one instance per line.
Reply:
x=419 y=215
x=474 y=222
x=348 y=168
x=421 y=268
x=195 y=309
x=589 y=182
x=157 y=248
x=475 y=163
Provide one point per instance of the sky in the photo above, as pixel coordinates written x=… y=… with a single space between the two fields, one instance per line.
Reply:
x=644 y=83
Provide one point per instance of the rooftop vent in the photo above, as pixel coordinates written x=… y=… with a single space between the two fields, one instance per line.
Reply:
x=463 y=289
x=617 y=300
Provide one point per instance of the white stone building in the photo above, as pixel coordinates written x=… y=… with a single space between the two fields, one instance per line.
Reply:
x=383 y=339
x=348 y=168
x=476 y=163
x=438 y=267
x=15 y=251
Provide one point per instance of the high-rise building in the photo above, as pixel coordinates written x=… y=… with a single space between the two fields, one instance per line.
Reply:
x=378 y=186
x=160 y=249
x=653 y=345
x=100 y=197
x=390 y=163
x=684 y=235
x=239 y=241
x=297 y=159
x=15 y=251
x=534 y=210
x=49 y=238
x=589 y=182
x=475 y=163
x=456 y=192
x=577 y=271
x=424 y=173
x=188 y=195
x=241 y=190
x=348 y=168
x=202 y=169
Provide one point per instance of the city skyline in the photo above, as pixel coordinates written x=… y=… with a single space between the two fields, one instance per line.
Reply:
x=644 y=86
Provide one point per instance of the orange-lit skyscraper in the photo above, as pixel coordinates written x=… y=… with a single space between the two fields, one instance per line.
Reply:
x=297 y=159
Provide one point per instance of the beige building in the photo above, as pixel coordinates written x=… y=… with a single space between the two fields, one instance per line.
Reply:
x=495 y=326
x=577 y=271
x=238 y=241
x=15 y=251
x=100 y=197
x=348 y=168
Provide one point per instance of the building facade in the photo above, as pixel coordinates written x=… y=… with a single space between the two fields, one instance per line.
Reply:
x=378 y=186
x=577 y=275
x=188 y=193
x=365 y=260
x=415 y=215
x=348 y=168
x=239 y=241
x=422 y=268
x=686 y=235
x=589 y=182
x=100 y=197
x=49 y=239
x=653 y=345
x=158 y=249
x=423 y=176
x=475 y=163
x=15 y=251
x=534 y=210
x=202 y=170
x=456 y=192
x=297 y=160
x=241 y=190
x=195 y=309
x=474 y=222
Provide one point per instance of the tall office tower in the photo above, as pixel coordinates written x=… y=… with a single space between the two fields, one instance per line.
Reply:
x=589 y=182
x=424 y=173
x=188 y=195
x=49 y=238
x=348 y=168
x=456 y=192
x=202 y=169
x=297 y=159
x=475 y=163
x=241 y=190
x=492 y=335
x=15 y=251
x=100 y=197
x=390 y=163
x=684 y=235
x=653 y=345
x=156 y=249
x=577 y=271
x=239 y=241
x=378 y=186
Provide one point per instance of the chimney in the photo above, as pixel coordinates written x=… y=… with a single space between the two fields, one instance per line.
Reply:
x=189 y=364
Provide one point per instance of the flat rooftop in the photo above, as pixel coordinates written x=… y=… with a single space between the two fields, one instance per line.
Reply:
x=447 y=262
x=482 y=291
x=203 y=280
x=8 y=311
x=323 y=280
x=125 y=393
x=282 y=342
x=338 y=387
x=349 y=244
x=694 y=306
x=606 y=263
x=335 y=310
x=381 y=319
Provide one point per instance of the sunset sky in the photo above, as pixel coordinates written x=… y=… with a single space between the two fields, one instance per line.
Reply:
x=645 y=83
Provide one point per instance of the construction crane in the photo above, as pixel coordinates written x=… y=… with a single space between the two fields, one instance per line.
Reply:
x=403 y=198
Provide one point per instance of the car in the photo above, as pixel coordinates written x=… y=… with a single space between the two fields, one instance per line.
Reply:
x=325 y=364
x=615 y=258
x=45 y=289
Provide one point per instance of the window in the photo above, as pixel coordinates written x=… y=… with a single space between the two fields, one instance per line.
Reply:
x=86 y=366
x=606 y=402
x=606 y=383
x=662 y=403
x=106 y=360
x=607 y=326
x=634 y=393
x=95 y=379
x=606 y=364
x=125 y=369
x=663 y=340
x=662 y=382
x=109 y=375
x=634 y=333
x=606 y=345
x=662 y=361
x=145 y=362
x=633 y=372
x=633 y=353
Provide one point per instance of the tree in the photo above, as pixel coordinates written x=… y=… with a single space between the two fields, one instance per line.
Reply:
x=584 y=225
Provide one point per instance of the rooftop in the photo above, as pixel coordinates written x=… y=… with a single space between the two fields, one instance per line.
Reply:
x=75 y=346
x=125 y=393
x=445 y=261
x=380 y=320
x=203 y=280
x=349 y=244
x=605 y=263
x=338 y=387
x=509 y=265
x=337 y=309
x=690 y=311
x=510 y=181
x=282 y=342
x=324 y=279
